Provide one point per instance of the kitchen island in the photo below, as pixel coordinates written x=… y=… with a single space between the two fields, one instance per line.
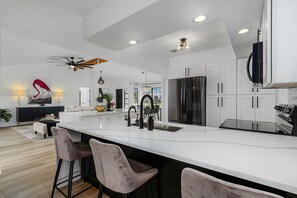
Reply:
x=258 y=160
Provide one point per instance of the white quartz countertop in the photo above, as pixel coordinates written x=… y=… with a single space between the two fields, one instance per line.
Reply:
x=266 y=159
x=94 y=113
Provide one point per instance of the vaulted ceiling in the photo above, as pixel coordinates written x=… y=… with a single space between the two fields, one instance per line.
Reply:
x=102 y=28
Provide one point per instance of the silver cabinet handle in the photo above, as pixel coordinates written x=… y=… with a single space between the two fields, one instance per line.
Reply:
x=222 y=88
x=218 y=87
x=79 y=98
x=253 y=90
x=188 y=71
x=185 y=71
x=252 y=101
x=222 y=101
x=257 y=89
x=218 y=101
x=257 y=102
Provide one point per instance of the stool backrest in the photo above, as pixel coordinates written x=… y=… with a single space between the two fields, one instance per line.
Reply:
x=112 y=167
x=65 y=148
x=196 y=184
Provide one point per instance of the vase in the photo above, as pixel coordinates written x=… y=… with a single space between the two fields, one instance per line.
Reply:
x=108 y=107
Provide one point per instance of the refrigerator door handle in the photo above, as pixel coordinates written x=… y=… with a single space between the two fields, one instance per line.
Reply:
x=222 y=87
x=222 y=102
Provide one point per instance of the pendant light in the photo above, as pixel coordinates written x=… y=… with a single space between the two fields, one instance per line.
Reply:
x=100 y=81
x=145 y=86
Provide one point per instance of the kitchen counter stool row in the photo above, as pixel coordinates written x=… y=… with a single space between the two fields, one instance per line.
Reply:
x=117 y=173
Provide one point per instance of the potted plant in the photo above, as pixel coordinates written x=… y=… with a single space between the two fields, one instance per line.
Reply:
x=108 y=97
x=5 y=115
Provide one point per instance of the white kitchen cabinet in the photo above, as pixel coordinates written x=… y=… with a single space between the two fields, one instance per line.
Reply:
x=213 y=116
x=184 y=72
x=220 y=108
x=221 y=78
x=178 y=73
x=279 y=32
x=228 y=107
x=244 y=85
x=213 y=78
x=265 y=108
x=197 y=70
x=228 y=77
x=256 y=107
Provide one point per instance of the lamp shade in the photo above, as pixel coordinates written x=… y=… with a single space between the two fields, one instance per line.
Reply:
x=19 y=92
x=58 y=93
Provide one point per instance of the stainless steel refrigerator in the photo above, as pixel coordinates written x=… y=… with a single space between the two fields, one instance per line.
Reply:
x=187 y=100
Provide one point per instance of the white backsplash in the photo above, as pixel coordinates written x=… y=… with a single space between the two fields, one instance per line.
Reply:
x=292 y=96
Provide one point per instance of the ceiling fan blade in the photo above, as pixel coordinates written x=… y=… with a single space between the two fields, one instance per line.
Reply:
x=86 y=66
x=49 y=61
x=174 y=50
x=78 y=62
x=51 y=58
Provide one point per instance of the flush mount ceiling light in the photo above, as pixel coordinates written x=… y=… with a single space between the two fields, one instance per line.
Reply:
x=100 y=81
x=199 y=19
x=133 y=42
x=243 y=31
x=183 y=44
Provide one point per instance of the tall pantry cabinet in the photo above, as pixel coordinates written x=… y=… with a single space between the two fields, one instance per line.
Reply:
x=221 y=92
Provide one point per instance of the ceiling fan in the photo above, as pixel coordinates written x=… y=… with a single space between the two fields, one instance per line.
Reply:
x=75 y=63
x=183 y=44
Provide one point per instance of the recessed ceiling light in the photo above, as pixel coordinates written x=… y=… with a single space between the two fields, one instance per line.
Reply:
x=243 y=31
x=200 y=19
x=133 y=42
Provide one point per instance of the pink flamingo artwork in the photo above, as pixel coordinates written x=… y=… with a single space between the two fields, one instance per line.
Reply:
x=40 y=86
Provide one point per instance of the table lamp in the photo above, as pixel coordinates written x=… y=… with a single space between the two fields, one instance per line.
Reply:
x=58 y=94
x=19 y=93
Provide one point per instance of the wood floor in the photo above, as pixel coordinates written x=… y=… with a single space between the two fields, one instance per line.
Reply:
x=27 y=168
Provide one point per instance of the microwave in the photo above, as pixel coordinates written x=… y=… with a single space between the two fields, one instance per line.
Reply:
x=254 y=66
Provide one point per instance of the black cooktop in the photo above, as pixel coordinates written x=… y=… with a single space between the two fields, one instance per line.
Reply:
x=253 y=126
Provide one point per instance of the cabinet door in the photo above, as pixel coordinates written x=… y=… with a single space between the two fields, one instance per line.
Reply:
x=265 y=108
x=244 y=85
x=197 y=70
x=178 y=73
x=213 y=78
x=246 y=107
x=228 y=77
x=213 y=111
x=228 y=107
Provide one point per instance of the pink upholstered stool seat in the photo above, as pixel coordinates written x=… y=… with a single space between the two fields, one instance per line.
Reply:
x=195 y=184
x=116 y=172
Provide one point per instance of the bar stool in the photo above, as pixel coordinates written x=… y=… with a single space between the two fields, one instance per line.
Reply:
x=195 y=184
x=67 y=150
x=116 y=172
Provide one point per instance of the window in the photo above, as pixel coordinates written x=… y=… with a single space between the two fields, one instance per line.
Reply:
x=157 y=95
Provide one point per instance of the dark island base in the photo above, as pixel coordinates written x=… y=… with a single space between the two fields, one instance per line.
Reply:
x=167 y=183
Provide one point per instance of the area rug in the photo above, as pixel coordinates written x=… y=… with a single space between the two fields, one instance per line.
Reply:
x=28 y=132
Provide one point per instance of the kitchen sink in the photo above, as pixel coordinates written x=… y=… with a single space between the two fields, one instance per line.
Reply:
x=161 y=127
